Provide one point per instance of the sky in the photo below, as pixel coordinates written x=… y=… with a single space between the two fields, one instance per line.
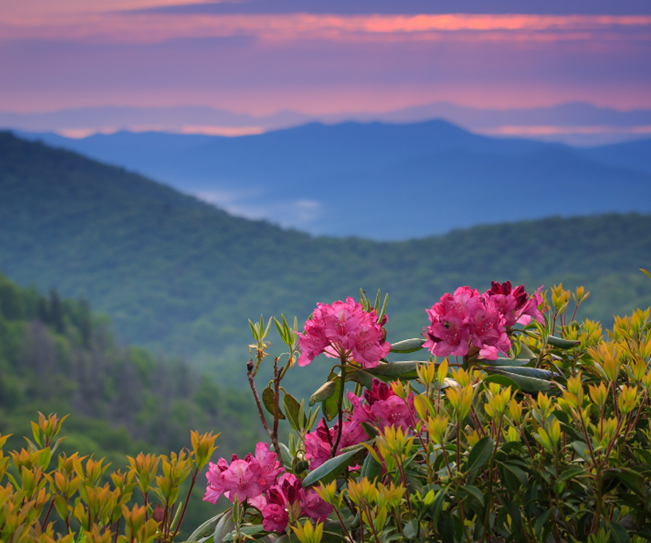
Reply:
x=261 y=57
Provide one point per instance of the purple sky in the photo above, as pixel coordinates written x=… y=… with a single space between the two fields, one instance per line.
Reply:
x=318 y=57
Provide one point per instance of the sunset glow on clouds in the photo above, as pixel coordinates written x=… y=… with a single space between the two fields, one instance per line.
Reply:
x=73 y=53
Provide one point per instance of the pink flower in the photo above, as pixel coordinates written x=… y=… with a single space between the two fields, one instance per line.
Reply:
x=275 y=518
x=462 y=319
x=344 y=329
x=515 y=304
x=382 y=408
x=269 y=464
x=314 y=507
x=246 y=479
x=486 y=324
x=288 y=501
x=317 y=444
x=242 y=479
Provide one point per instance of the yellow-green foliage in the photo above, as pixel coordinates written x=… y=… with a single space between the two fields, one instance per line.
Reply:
x=46 y=497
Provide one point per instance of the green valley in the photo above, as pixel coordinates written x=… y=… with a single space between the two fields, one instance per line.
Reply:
x=181 y=277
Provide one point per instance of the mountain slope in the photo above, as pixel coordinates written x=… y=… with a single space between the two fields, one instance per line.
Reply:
x=298 y=177
x=182 y=277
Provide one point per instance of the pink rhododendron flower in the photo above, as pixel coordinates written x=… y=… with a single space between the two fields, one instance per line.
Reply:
x=344 y=329
x=275 y=518
x=314 y=507
x=241 y=479
x=383 y=408
x=287 y=500
x=246 y=479
x=269 y=464
x=317 y=444
x=466 y=318
x=515 y=304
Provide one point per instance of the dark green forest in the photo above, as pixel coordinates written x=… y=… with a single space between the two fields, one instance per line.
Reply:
x=58 y=356
x=180 y=277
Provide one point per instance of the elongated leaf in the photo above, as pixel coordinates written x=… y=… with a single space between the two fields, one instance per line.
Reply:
x=208 y=526
x=540 y=523
x=536 y=373
x=562 y=343
x=293 y=408
x=268 y=400
x=371 y=469
x=325 y=391
x=571 y=473
x=480 y=454
x=365 y=378
x=224 y=527
x=520 y=475
x=475 y=493
x=247 y=531
x=402 y=370
x=329 y=406
x=506 y=362
x=526 y=352
x=646 y=272
x=619 y=533
x=408 y=345
x=528 y=384
x=335 y=467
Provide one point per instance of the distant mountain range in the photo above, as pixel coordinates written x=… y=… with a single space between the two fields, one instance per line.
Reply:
x=383 y=181
x=183 y=277
x=573 y=123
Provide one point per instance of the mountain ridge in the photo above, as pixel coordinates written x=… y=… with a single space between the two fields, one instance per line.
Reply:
x=296 y=177
x=184 y=279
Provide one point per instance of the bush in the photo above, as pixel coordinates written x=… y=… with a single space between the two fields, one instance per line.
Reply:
x=521 y=425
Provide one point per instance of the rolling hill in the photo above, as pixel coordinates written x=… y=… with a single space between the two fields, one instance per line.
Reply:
x=422 y=179
x=182 y=277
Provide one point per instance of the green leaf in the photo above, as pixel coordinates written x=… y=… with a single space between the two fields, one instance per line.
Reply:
x=526 y=352
x=536 y=373
x=268 y=400
x=326 y=391
x=618 y=532
x=437 y=506
x=365 y=378
x=402 y=370
x=506 y=362
x=408 y=345
x=247 y=531
x=371 y=469
x=333 y=468
x=528 y=384
x=223 y=527
x=330 y=410
x=562 y=343
x=475 y=493
x=581 y=448
x=540 y=523
x=514 y=471
x=293 y=408
x=480 y=454
x=571 y=473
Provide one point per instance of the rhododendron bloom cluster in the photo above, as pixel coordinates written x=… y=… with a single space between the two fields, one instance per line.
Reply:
x=468 y=318
x=288 y=501
x=344 y=330
x=247 y=478
x=256 y=479
x=383 y=408
x=318 y=446
x=515 y=304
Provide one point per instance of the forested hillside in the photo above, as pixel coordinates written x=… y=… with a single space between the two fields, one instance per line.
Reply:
x=402 y=173
x=58 y=356
x=181 y=277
